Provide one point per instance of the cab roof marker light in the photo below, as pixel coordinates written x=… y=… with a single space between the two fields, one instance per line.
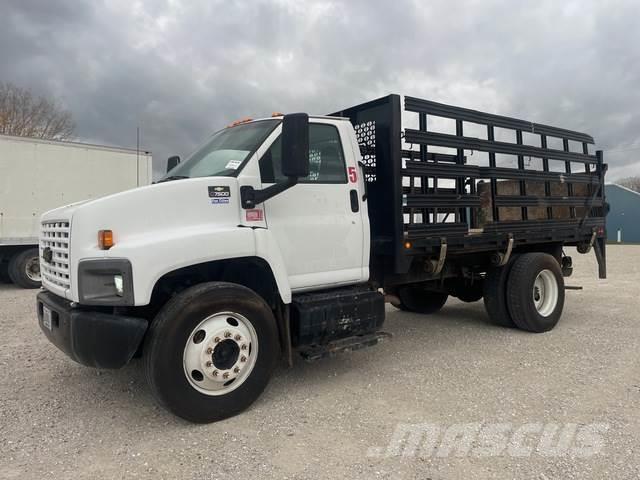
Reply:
x=240 y=122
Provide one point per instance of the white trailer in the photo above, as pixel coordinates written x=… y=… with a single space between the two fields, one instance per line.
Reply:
x=37 y=175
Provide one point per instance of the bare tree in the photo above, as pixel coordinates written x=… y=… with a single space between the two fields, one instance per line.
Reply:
x=26 y=115
x=630 y=182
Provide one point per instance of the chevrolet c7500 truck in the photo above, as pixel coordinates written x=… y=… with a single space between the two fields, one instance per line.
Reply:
x=287 y=235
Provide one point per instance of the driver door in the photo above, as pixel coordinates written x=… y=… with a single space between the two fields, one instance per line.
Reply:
x=319 y=233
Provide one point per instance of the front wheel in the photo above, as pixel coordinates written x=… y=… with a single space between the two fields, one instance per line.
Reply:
x=210 y=351
x=535 y=292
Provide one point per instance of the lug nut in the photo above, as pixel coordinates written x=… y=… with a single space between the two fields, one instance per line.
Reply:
x=236 y=370
x=244 y=346
x=225 y=375
x=217 y=339
x=209 y=364
x=227 y=334
x=237 y=337
x=243 y=358
x=209 y=351
x=215 y=373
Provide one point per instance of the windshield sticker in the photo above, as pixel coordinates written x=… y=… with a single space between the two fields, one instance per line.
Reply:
x=219 y=194
x=233 y=164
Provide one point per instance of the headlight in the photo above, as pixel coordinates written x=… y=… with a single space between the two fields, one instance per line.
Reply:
x=105 y=282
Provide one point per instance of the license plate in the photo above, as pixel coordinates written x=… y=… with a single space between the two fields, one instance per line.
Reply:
x=46 y=317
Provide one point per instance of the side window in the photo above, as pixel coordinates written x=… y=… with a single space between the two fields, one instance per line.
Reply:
x=326 y=158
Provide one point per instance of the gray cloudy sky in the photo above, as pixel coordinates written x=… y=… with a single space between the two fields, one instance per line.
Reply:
x=182 y=68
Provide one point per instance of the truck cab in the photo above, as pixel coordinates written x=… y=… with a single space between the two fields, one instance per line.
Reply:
x=110 y=265
x=312 y=236
x=288 y=234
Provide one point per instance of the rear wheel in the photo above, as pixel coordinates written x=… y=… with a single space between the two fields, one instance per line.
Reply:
x=210 y=351
x=495 y=295
x=24 y=268
x=414 y=298
x=535 y=293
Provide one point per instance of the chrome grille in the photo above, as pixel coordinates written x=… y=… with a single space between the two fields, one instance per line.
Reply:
x=55 y=236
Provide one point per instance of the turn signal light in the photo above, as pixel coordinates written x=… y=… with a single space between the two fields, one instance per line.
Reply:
x=105 y=239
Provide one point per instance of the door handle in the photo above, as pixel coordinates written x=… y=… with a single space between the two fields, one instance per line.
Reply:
x=355 y=205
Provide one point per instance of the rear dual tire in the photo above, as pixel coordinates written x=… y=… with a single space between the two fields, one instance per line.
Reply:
x=535 y=293
x=527 y=293
x=495 y=294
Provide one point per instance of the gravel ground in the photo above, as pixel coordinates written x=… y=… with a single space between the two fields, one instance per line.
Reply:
x=335 y=418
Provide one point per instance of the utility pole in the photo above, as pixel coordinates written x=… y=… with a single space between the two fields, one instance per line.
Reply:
x=137 y=156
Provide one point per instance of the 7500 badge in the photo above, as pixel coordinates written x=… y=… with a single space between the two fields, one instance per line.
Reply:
x=220 y=194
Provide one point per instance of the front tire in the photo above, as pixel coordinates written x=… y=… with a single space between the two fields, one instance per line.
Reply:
x=414 y=298
x=210 y=351
x=535 y=293
x=24 y=268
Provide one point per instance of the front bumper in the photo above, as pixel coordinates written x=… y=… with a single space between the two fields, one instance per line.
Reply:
x=91 y=338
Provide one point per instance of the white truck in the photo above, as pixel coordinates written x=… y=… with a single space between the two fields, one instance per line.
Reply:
x=36 y=175
x=287 y=234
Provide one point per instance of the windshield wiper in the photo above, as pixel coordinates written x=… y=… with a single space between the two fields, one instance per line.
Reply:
x=172 y=177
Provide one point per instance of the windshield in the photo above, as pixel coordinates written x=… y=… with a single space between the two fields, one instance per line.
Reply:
x=225 y=152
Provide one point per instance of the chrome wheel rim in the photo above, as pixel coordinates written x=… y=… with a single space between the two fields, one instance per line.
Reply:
x=545 y=293
x=220 y=353
x=32 y=269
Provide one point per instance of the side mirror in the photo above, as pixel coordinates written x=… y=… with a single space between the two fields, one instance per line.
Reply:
x=295 y=160
x=172 y=162
x=295 y=145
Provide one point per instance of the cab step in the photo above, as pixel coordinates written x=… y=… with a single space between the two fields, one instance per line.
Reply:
x=348 y=344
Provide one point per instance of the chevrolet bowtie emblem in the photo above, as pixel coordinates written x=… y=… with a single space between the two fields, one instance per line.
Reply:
x=47 y=254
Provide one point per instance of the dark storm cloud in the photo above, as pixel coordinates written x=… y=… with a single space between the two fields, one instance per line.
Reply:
x=181 y=69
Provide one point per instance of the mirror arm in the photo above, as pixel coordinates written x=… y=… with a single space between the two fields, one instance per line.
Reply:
x=250 y=197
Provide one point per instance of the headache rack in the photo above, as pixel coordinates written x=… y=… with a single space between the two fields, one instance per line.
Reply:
x=461 y=181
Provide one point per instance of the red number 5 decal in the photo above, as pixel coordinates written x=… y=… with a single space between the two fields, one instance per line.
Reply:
x=353 y=175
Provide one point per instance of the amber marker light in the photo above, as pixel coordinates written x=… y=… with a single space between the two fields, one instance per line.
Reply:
x=105 y=239
x=240 y=122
